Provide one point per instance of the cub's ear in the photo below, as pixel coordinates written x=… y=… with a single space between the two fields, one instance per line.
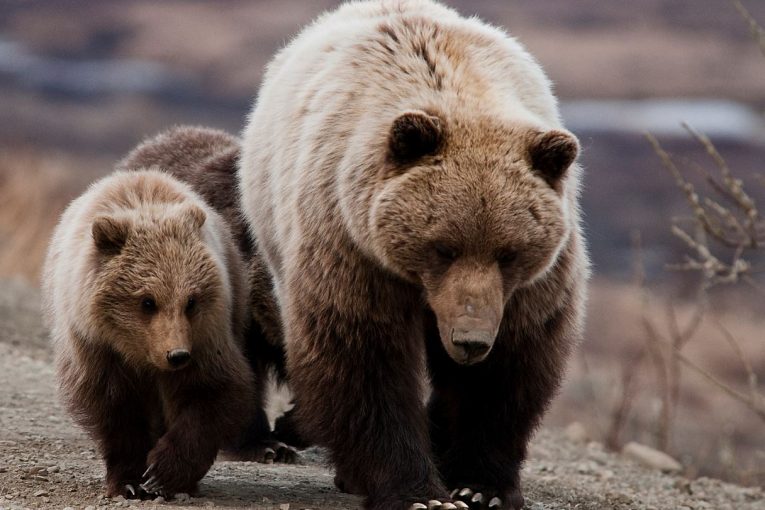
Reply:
x=195 y=215
x=414 y=134
x=109 y=234
x=551 y=153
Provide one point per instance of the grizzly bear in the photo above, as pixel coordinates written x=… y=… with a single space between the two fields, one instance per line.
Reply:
x=415 y=197
x=146 y=297
x=207 y=159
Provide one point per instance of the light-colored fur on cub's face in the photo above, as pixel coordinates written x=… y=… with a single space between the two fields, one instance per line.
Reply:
x=139 y=262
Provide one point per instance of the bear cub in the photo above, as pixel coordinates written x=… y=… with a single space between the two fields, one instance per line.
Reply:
x=146 y=298
x=207 y=160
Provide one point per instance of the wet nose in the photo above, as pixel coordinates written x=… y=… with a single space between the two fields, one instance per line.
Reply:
x=178 y=358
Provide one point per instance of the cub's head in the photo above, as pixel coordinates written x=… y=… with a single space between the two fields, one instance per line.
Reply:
x=472 y=211
x=160 y=293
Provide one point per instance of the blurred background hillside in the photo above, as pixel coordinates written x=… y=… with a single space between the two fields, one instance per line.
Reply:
x=81 y=82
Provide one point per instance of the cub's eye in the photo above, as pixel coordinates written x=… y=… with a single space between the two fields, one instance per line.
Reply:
x=191 y=304
x=446 y=252
x=148 y=305
x=506 y=257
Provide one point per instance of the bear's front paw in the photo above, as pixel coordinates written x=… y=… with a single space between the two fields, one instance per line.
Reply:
x=486 y=498
x=171 y=472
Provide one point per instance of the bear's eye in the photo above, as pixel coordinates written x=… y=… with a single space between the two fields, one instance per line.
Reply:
x=148 y=305
x=191 y=304
x=506 y=257
x=446 y=252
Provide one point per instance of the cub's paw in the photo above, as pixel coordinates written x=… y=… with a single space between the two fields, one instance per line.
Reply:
x=268 y=452
x=486 y=498
x=170 y=472
x=128 y=490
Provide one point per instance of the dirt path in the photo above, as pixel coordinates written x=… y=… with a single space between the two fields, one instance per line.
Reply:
x=46 y=462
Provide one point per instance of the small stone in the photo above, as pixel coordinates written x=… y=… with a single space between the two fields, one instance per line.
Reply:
x=9 y=496
x=159 y=499
x=606 y=474
x=182 y=496
x=41 y=492
x=90 y=507
x=68 y=508
x=651 y=458
x=54 y=469
x=284 y=506
x=576 y=433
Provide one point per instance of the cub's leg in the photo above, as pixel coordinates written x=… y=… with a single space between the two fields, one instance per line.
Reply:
x=110 y=402
x=202 y=407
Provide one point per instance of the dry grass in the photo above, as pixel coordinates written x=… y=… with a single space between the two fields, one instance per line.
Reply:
x=34 y=190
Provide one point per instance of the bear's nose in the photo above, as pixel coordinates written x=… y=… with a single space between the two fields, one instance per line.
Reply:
x=178 y=357
x=474 y=344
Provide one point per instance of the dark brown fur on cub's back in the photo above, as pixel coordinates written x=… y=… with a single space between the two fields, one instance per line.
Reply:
x=207 y=159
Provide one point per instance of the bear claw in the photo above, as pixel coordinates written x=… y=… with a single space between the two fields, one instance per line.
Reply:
x=129 y=488
x=435 y=504
x=495 y=502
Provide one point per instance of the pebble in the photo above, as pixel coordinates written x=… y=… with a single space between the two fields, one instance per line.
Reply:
x=41 y=492
x=90 y=507
x=576 y=433
x=182 y=496
x=652 y=458
x=284 y=506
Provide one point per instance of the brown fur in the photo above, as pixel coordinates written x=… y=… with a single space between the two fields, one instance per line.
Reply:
x=415 y=197
x=207 y=160
x=139 y=266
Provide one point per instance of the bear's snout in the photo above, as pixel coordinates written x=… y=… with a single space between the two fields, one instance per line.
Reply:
x=471 y=340
x=178 y=358
x=473 y=344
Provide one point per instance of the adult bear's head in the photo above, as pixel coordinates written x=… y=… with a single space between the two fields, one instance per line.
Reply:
x=472 y=210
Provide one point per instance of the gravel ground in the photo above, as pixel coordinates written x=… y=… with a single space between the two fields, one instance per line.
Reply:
x=46 y=462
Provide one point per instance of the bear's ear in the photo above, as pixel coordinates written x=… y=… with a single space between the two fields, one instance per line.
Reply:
x=109 y=234
x=551 y=153
x=195 y=215
x=414 y=134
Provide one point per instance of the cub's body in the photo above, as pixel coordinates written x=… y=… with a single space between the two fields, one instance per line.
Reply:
x=146 y=298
